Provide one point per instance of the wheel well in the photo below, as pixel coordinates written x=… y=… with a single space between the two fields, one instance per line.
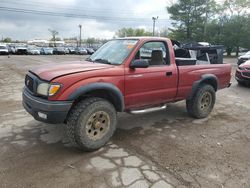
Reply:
x=105 y=94
x=212 y=82
x=207 y=80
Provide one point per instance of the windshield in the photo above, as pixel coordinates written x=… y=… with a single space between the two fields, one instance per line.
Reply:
x=248 y=53
x=114 y=52
x=3 y=47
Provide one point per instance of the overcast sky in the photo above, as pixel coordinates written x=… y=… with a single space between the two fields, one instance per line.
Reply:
x=99 y=18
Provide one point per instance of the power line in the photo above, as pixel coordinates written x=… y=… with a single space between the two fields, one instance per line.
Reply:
x=74 y=15
x=80 y=8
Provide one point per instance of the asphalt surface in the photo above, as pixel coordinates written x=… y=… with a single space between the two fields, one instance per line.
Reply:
x=160 y=149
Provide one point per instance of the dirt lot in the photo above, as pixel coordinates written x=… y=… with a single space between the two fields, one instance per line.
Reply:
x=161 y=149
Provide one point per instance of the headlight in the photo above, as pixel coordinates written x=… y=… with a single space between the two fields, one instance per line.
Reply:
x=241 y=68
x=43 y=88
x=47 y=89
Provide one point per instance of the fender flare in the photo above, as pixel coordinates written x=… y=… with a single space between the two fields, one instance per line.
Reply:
x=112 y=89
x=206 y=78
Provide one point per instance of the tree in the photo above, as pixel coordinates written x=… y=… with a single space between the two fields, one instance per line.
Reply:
x=205 y=20
x=235 y=34
x=236 y=28
x=190 y=18
x=91 y=40
x=54 y=33
x=7 y=40
x=237 y=7
x=129 y=32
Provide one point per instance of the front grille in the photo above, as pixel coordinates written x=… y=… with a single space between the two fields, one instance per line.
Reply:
x=247 y=74
x=29 y=82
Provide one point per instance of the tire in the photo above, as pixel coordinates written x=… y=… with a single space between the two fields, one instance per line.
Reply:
x=91 y=123
x=202 y=103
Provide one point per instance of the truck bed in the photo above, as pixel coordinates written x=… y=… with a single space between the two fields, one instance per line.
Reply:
x=191 y=73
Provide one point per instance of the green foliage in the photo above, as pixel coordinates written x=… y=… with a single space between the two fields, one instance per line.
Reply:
x=7 y=40
x=91 y=40
x=190 y=18
x=129 y=32
x=204 y=20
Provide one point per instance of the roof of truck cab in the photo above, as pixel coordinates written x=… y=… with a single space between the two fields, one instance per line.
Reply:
x=143 y=38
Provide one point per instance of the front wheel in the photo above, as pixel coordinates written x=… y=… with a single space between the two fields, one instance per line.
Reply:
x=91 y=123
x=202 y=103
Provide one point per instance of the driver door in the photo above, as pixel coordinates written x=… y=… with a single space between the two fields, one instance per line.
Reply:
x=153 y=85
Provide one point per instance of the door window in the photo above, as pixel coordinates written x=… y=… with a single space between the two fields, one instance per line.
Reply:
x=155 y=52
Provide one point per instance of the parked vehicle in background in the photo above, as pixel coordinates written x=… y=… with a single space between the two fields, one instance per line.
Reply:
x=66 y=50
x=90 y=51
x=81 y=51
x=21 y=50
x=135 y=75
x=242 y=74
x=46 y=51
x=4 y=50
x=33 y=50
x=71 y=50
x=243 y=58
x=12 y=49
x=59 y=51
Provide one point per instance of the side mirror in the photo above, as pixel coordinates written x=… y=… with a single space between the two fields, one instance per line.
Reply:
x=139 y=63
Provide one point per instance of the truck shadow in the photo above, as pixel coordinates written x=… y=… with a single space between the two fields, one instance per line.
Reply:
x=23 y=133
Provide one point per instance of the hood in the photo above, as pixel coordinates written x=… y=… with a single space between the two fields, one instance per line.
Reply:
x=246 y=64
x=245 y=56
x=4 y=50
x=34 y=50
x=51 y=71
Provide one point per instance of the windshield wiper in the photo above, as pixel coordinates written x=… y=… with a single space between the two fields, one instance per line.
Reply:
x=105 y=61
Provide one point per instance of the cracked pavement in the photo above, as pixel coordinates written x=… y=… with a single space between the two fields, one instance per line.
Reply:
x=159 y=150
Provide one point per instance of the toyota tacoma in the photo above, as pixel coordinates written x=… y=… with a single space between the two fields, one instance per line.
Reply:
x=134 y=75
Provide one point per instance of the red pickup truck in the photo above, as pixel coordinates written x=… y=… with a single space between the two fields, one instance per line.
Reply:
x=133 y=75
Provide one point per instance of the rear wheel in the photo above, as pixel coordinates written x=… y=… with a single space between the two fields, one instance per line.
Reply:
x=91 y=123
x=202 y=103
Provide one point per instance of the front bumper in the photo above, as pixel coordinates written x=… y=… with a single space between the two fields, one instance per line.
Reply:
x=242 y=60
x=4 y=53
x=44 y=110
x=240 y=78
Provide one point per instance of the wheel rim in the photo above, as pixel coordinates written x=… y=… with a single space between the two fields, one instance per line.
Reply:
x=98 y=125
x=206 y=101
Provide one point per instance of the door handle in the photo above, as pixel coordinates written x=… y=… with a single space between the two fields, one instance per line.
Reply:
x=169 y=73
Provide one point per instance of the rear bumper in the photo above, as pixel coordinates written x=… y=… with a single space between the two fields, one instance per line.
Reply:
x=44 y=110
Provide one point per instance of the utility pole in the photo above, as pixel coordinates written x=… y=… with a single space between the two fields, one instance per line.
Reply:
x=80 y=26
x=154 y=19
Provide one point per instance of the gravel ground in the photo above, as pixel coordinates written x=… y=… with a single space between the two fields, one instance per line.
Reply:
x=160 y=150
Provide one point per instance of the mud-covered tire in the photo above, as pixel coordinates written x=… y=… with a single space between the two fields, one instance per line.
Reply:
x=82 y=119
x=202 y=102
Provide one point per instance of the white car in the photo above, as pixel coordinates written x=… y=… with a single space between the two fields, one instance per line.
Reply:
x=243 y=58
x=4 y=50
x=33 y=51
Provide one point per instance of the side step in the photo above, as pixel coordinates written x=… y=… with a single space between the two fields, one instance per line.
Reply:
x=147 y=110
